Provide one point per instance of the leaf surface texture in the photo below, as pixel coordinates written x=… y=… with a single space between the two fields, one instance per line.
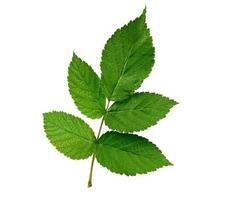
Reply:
x=85 y=88
x=69 y=134
x=139 y=112
x=127 y=59
x=129 y=154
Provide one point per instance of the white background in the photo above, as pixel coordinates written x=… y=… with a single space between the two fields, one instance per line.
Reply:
x=195 y=64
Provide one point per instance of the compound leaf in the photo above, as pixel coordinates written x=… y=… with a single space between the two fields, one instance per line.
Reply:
x=127 y=59
x=139 y=112
x=129 y=154
x=69 y=134
x=85 y=88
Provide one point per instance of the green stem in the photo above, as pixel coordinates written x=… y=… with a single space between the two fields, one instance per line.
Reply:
x=91 y=172
x=100 y=128
x=93 y=157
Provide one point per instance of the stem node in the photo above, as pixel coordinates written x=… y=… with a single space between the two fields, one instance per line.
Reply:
x=93 y=158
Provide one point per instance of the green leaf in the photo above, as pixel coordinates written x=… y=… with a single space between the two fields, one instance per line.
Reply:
x=85 y=88
x=127 y=59
x=139 y=112
x=129 y=154
x=70 y=135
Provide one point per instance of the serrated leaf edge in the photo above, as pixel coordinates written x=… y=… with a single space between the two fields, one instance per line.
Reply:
x=142 y=173
x=139 y=130
x=154 y=54
x=100 y=85
x=58 y=150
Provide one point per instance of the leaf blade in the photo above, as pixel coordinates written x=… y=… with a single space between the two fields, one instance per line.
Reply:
x=139 y=112
x=69 y=134
x=129 y=154
x=127 y=59
x=85 y=88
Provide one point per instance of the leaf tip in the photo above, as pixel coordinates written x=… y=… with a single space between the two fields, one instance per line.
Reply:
x=144 y=12
x=170 y=163
x=74 y=55
x=175 y=102
x=145 y=9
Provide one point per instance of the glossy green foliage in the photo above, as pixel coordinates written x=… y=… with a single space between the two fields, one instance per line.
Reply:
x=129 y=154
x=85 y=88
x=127 y=59
x=70 y=135
x=139 y=112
